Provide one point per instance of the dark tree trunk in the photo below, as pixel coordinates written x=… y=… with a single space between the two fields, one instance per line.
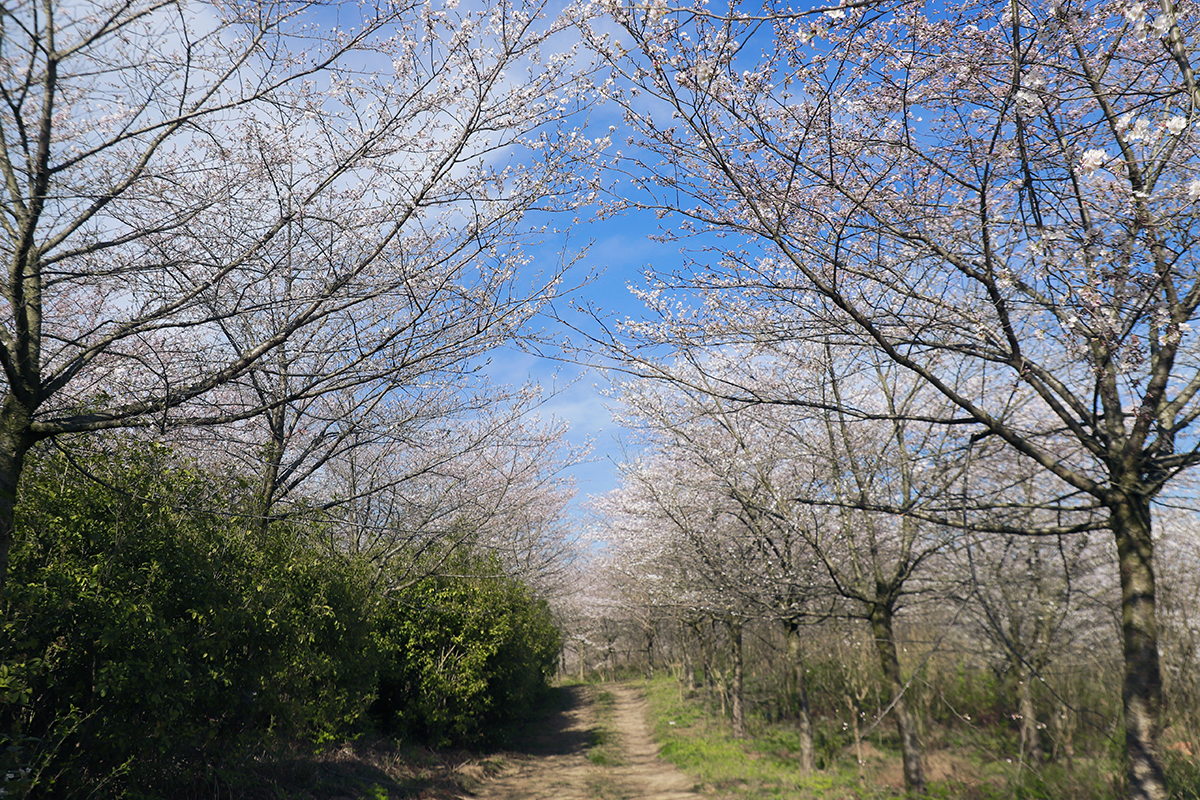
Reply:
x=650 y=651
x=706 y=659
x=1142 y=691
x=15 y=441
x=889 y=660
x=268 y=486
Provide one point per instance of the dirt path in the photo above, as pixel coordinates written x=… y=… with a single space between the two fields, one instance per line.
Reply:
x=624 y=763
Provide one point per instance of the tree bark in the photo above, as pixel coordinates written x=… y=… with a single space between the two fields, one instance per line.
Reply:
x=1031 y=742
x=706 y=657
x=852 y=707
x=1141 y=694
x=737 y=708
x=649 y=630
x=889 y=660
x=808 y=752
x=689 y=664
x=15 y=441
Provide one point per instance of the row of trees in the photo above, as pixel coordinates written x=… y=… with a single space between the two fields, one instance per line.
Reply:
x=782 y=522
x=287 y=232
x=960 y=241
x=962 y=696
x=778 y=517
x=252 y=474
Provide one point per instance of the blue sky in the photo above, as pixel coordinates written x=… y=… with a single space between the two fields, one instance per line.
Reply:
x=618 y=252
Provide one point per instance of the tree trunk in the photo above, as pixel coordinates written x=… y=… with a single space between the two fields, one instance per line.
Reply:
x=737 y=709
x=269 y=478
x=1064 y=729
x=1031 y=743
x=808 y=752
x=1142 y=690
x=689 y=665
x=15 y=441
x=858 y=749
x=706 y=659
x=889 y=660
x=650 y=651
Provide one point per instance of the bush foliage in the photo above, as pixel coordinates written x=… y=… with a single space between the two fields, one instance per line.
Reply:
x=148 y=628
x=459 y=656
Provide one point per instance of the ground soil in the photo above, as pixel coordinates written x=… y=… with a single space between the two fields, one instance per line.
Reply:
x=583 y=751
x=553 y=763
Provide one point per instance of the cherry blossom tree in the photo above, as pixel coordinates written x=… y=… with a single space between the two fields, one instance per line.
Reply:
x=1001 y=190
x=495 y=482
x=1034 y=600
x=678 y=547
x=1179 y=560
x=736 y=517
x=873 y=469
x=321 y=397
x=217 y=212
x=829 y=500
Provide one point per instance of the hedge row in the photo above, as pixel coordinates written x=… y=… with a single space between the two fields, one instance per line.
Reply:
x=148 y=631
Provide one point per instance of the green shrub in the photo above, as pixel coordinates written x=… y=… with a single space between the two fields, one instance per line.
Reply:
x=144 y=631
x=462 y=656
x=150 y=629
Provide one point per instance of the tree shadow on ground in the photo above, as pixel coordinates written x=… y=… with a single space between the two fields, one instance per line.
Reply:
x=378 y=766
x=371 y=766
x=553 y=729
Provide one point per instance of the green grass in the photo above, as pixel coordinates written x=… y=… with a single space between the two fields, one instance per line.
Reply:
x=604 y=749
x=764 y=764
x=757 y=768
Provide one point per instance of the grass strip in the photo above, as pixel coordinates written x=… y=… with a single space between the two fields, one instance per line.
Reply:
x=605 y=747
